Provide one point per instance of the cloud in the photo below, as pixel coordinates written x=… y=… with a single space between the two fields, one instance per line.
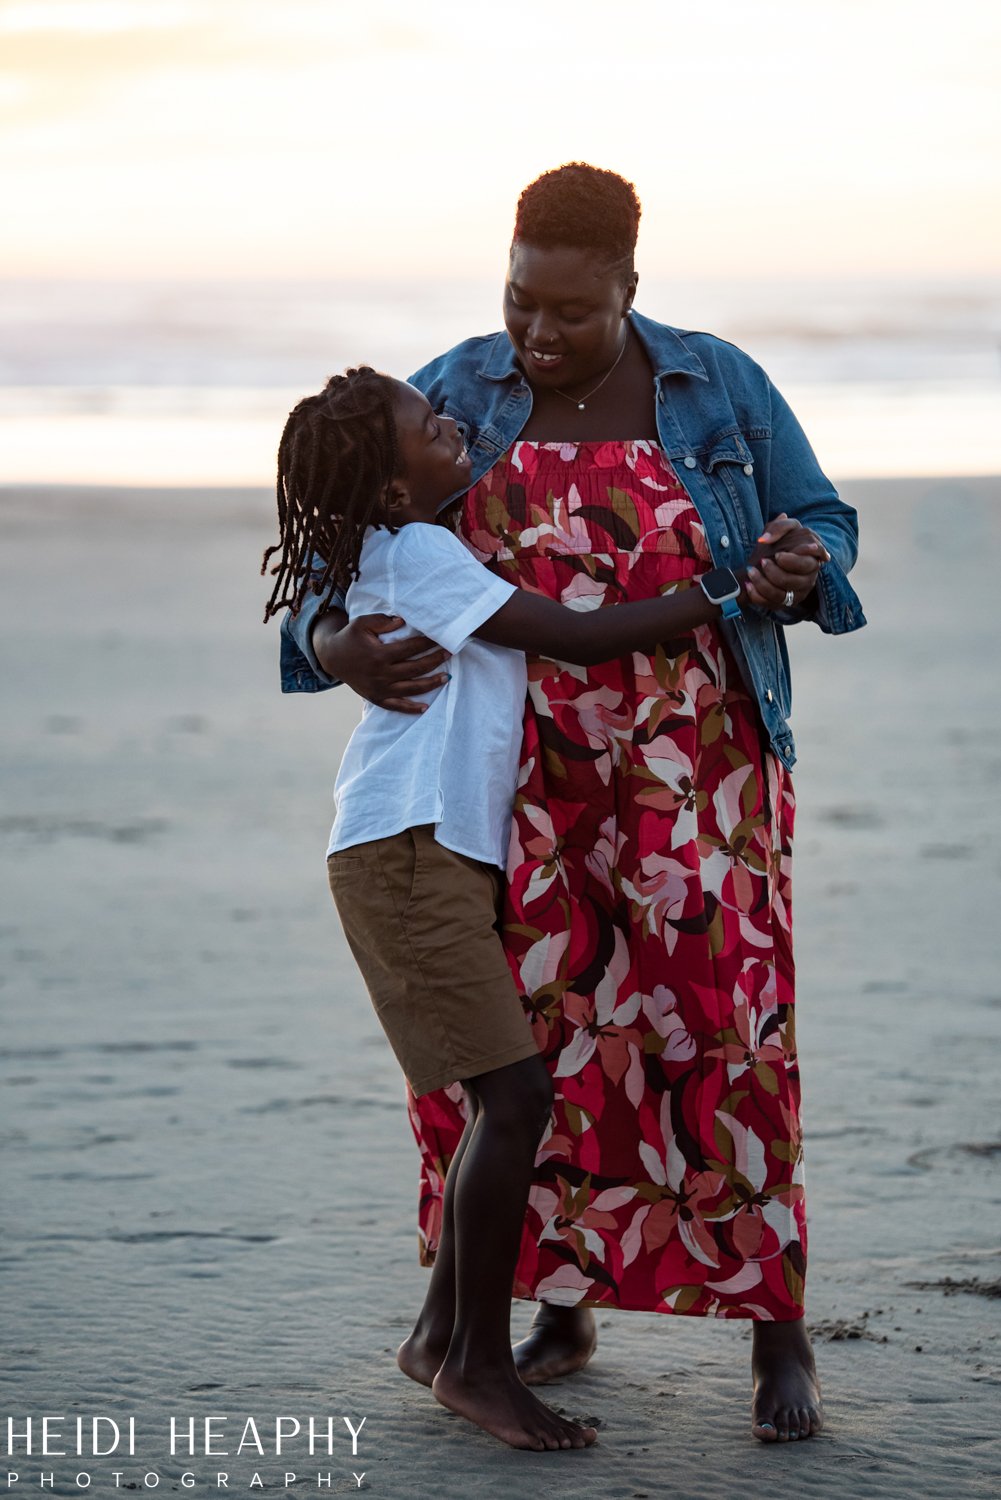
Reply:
x=72 y=16
x=337 y=133
x=61 y=57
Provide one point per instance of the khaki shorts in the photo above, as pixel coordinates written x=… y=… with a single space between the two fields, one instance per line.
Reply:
x=421 y=923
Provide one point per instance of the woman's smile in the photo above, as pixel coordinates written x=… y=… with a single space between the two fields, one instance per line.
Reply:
x=563 y=310
x=542 y=360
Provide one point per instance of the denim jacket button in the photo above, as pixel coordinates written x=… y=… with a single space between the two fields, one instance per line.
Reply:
x=689 y=461
x=768 y=694
x=748 y=468
x=724 y=541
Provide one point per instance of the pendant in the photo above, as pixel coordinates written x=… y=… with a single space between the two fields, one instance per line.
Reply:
x=580 y=406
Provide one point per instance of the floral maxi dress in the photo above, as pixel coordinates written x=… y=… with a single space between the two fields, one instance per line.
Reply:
x=647 y=921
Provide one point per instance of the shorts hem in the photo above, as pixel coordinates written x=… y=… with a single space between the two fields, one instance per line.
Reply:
x=473 y=1068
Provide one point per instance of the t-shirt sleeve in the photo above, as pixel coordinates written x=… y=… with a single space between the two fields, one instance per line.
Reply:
x=439 y=588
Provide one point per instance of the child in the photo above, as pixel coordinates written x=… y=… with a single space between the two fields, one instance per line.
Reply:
x=421 y=831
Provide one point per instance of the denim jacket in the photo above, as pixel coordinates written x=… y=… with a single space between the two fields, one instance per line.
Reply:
x=736 y=447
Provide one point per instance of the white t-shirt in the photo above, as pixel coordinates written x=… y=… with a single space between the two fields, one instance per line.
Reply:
x=456 y=764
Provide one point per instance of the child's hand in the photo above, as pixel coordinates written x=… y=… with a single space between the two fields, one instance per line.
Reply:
x=785 y=534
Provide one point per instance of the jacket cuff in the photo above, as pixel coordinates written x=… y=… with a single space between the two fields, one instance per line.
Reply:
x=300 y=670
x=834 y=605
x=301 y=631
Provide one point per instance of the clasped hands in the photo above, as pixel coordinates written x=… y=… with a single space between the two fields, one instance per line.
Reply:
x=786 y=560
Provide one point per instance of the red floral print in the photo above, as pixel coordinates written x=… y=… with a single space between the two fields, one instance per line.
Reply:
x=647 y=921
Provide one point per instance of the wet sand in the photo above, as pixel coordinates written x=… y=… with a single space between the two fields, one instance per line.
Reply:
x=209 y=1181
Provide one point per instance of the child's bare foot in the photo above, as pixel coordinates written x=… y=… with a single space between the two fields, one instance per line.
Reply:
x=560 y=1341
x=421 y=1358
x=497 y=1401
x=786 y=1405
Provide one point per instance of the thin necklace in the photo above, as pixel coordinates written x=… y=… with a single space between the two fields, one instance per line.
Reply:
x=581 y=402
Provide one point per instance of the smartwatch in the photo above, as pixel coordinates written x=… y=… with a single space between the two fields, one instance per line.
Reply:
x=722 y=587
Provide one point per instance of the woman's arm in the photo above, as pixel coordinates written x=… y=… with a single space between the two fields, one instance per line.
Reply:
x=387 y=673
x=790 y=482
x=319 y=649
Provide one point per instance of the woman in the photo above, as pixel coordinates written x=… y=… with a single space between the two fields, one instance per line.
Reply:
x=647 y=918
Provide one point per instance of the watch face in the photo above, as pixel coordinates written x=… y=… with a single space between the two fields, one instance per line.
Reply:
x=721 y=583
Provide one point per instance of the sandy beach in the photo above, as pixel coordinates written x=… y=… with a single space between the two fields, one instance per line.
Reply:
x=209 y=1179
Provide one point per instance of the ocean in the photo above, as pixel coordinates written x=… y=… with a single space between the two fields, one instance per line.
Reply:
x=187 y=383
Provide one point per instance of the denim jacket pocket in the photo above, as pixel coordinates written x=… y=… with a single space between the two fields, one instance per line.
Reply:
x=485 y=444
x=729 y=447
x=729 y=464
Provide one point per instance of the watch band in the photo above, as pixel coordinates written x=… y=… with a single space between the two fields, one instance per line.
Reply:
x=721 y=586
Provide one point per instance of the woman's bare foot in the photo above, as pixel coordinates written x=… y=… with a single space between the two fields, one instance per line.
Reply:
x=420 y=1357
x=497 y=1401
x=786 y=1405
x=560 y=1341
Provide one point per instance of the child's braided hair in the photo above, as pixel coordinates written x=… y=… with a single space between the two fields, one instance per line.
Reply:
x=337 y=453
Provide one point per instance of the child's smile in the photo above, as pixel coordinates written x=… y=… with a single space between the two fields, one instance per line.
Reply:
x=434 y=463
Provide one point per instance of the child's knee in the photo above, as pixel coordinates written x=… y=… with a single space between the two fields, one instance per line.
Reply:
x=518 y=1098
x=538 y=1088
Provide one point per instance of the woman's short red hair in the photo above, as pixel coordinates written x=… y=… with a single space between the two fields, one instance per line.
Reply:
x=580 y=206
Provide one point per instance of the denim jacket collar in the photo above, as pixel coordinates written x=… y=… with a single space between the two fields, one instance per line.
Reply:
x=664 y=347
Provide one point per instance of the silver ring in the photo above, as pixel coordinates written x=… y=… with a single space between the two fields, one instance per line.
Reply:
x=789 y=599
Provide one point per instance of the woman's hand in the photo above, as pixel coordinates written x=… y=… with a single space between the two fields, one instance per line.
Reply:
x=786 y=561
x=387 y=673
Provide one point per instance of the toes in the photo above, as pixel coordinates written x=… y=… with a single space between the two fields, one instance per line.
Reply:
x=568 y=1434
x=788 y=1425
x=573 y=1433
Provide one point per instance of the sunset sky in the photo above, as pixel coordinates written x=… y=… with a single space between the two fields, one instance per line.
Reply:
x=311 y=137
